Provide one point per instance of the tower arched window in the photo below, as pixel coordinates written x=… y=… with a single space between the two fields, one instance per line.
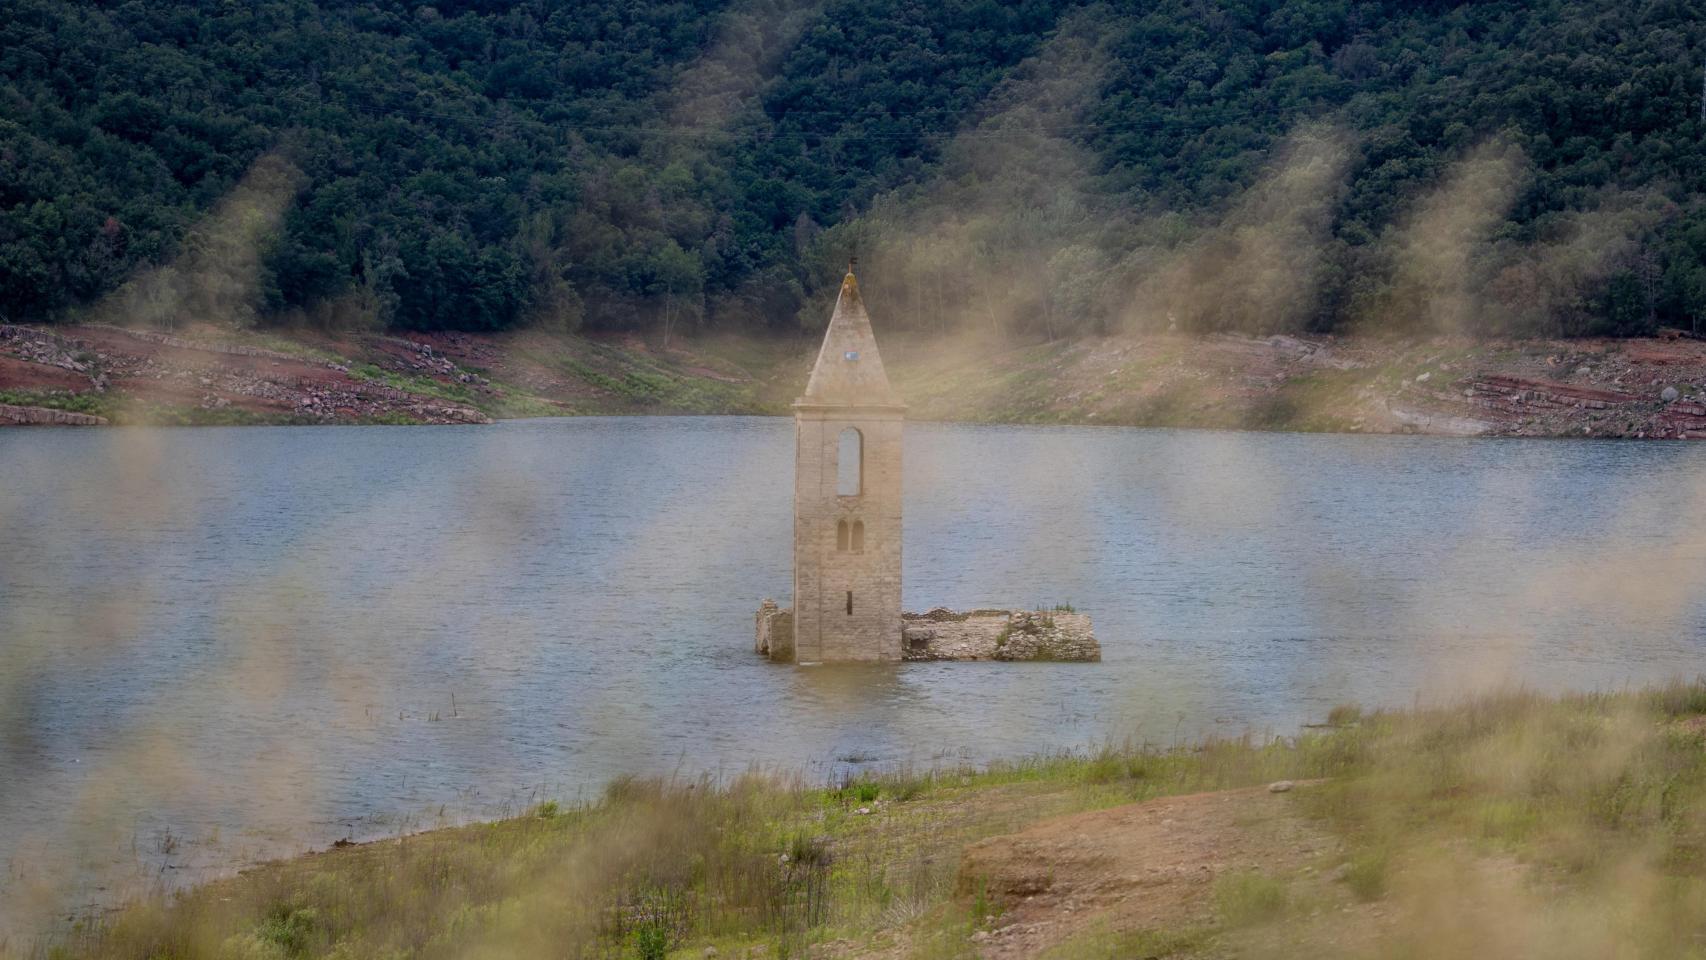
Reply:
x=850 y=463
x=841 y=535
x=858 y=536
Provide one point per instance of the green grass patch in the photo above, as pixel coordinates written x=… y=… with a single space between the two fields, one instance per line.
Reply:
x=634 y=382
x=1366 y=873
x=1101 y=943
x=93 y=404
x=137 y=413
x=1344 y=715
x=1248 y=896
x=455 y=393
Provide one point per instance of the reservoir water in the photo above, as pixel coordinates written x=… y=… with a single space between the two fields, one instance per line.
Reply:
x=219 y=645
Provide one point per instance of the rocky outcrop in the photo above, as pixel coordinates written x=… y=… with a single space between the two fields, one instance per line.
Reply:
x=1421 y=421
x=1685 y=420
x=161 y=375
x=47 y=417
x=180 y=343
x=1522 y=394
x=51 y=350
x=1637 y=388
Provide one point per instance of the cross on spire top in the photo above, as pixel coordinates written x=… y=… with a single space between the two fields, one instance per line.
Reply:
x=849 y=372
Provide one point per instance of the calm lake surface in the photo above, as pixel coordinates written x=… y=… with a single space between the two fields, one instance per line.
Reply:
x=218 y=645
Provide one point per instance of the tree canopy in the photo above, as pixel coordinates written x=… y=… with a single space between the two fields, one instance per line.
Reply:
x=635 y=164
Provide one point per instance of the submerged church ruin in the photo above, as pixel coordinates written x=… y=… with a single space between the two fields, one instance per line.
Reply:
x=847 y=532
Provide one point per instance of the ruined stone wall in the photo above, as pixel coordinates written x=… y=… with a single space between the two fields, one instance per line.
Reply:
x=1000 y=635
x=773 y=635
x=945 y=635
x=941 y=634
x=824 y=573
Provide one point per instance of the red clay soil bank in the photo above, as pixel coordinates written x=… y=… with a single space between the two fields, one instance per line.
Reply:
x=143 y=369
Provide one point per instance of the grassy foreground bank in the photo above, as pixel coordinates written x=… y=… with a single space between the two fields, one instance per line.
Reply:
x=1507 y=826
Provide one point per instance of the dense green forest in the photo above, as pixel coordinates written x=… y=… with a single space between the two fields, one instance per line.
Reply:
x=1043 y=166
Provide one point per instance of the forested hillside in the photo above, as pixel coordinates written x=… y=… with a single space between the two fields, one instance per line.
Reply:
x=1043 y=167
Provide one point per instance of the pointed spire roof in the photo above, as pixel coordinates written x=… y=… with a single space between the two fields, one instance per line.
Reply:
x=849 y=370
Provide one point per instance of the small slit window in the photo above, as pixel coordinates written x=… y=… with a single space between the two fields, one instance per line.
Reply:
x=849 y=603
x=850 y=463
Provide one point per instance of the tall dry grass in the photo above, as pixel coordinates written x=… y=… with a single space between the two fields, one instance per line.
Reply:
x=1508 y=825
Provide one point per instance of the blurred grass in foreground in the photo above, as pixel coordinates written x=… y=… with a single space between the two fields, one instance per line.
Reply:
x=1593 y=806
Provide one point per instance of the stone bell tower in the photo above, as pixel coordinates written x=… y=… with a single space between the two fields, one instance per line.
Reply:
x=847 y=497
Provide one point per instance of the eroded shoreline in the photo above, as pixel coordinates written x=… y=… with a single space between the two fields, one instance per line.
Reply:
x=1651 y=388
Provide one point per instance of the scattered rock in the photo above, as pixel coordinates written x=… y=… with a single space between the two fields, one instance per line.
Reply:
x=1670 y=395
x=1281 y=786
x=174 y=372
x=43 y=416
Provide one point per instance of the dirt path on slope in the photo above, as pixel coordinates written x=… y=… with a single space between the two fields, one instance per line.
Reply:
x=1155 y=866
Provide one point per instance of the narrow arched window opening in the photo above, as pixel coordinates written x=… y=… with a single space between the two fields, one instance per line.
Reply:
x=841 y=539
x=850 y=463
x=858 y=537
